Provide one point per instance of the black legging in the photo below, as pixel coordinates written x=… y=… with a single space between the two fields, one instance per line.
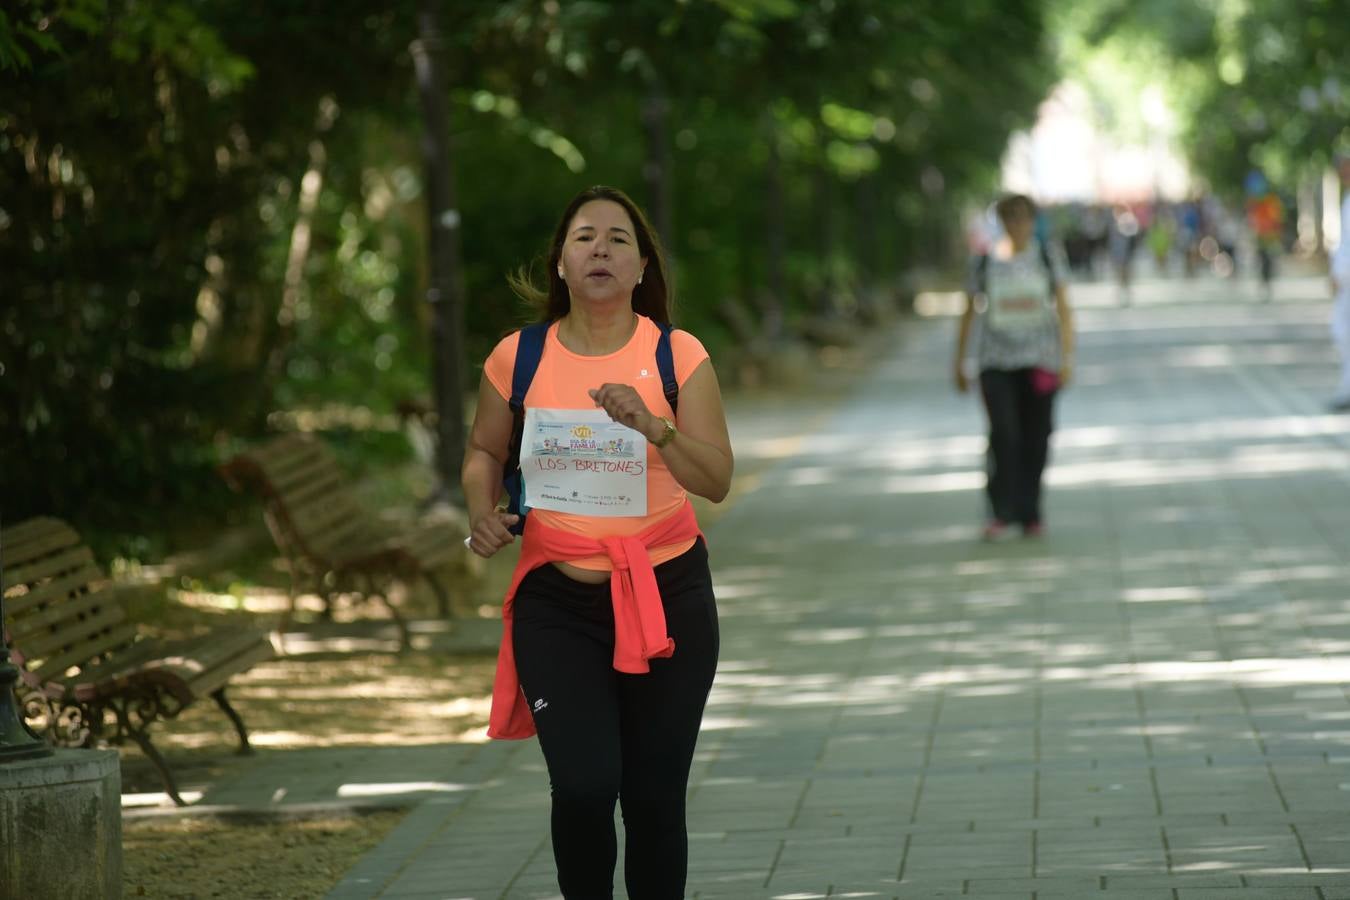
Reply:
x=1020 y=422
x=607 y=735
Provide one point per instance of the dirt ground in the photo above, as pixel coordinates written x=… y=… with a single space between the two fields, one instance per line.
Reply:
x=193 y=858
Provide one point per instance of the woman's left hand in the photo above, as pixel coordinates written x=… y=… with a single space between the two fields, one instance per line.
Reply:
x=624 y=405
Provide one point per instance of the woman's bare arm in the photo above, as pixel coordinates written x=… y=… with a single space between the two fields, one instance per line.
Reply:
x=484 y=461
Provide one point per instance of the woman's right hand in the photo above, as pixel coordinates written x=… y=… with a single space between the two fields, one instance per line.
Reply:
x=962 y=382
x=491 y=532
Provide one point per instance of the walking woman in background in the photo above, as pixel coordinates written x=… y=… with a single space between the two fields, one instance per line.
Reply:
x=610 y=632
x=1018 y=306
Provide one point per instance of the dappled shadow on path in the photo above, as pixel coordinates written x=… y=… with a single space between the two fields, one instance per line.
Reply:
x=1153 y=696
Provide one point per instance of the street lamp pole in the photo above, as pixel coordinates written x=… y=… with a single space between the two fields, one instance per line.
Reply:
x=17 y=740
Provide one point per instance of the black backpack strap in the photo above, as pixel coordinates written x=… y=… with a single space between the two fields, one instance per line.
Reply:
x=529 y=350
x=982 y=274
x=1049 y=266
x=665 y=366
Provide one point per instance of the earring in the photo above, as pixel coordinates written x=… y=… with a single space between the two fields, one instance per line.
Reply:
x=639 y=279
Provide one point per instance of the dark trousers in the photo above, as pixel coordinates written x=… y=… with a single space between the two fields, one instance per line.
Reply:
x=1020 y=422
x=608 y=736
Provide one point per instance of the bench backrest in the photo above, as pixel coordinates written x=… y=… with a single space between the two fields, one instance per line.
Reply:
x=59 y=614
x=310 y=507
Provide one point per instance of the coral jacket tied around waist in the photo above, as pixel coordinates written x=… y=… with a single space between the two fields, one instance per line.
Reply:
x=639 y=619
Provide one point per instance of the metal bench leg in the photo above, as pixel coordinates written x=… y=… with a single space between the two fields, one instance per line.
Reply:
x=328 y=593
x=245 y=748
x=372 y=589
x=404 y=635
x=292 y=598
x=142 y=739
x=442 y=597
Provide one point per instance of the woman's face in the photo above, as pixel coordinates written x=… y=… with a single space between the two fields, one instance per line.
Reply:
x=1019 y=224
x=600 y=258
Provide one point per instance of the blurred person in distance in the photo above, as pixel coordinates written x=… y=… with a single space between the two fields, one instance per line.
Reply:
x=1265 y=218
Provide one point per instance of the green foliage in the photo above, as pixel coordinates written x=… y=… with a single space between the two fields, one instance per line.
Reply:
x=38 y=28
x=212 y=219
x=1258 y=84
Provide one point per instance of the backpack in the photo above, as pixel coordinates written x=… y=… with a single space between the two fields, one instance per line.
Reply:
x=528 y=353
x=982 y=269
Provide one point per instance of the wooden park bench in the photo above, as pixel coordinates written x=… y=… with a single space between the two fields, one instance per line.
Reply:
x=87 y=674
x=332 y=546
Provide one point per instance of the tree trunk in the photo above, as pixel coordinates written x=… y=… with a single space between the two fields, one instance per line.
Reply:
x=445 y=291
x=825 y=299
x=869 y=247
x=775 y=240
x=297 y=255
x=868 y=243
x=656 y=172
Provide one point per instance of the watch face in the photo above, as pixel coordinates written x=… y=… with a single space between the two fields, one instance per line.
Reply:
x=668 y=435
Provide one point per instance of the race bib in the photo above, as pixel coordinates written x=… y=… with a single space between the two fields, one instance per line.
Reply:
x=1017 y=300
x=582 y=462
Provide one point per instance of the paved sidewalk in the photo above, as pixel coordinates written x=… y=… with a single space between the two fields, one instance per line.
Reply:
x=1148 y=703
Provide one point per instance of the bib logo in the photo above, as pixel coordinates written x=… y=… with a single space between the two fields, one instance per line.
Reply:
x=582 y=432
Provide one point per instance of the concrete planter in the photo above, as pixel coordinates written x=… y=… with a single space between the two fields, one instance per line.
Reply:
x=61 y=827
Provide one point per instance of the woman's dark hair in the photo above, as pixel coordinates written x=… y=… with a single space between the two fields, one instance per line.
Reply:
x=1009 y=203
x=653 y=296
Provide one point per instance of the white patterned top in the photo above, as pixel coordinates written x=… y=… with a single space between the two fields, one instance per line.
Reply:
x=1016 y=323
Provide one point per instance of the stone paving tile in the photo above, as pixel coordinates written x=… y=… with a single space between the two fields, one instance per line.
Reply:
x=1337 y=877
x=1265 y=893
x=1160 y=879
x=1068 y=885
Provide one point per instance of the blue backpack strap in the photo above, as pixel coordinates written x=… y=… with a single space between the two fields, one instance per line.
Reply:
x=665 y=366
x=528 y=353
x=529 y=350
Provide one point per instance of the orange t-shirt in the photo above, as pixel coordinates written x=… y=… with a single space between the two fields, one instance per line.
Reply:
x=562 y=381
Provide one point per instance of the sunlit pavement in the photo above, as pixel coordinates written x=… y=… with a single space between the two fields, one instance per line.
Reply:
x=1149 y=702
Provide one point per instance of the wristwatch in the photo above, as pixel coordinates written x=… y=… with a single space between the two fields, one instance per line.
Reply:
x=666 y=436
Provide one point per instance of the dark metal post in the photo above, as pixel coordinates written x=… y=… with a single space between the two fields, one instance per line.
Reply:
x=17 y=740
